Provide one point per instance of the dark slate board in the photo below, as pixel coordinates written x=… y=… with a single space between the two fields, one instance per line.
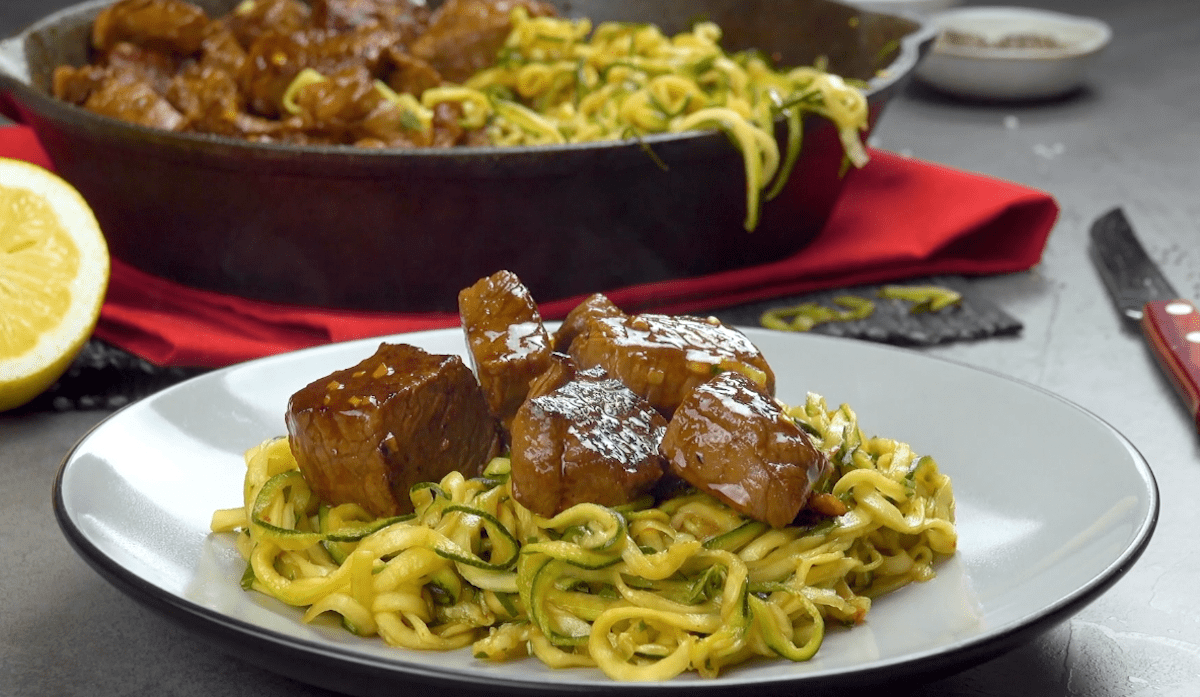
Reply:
x=974 y=318
x=105 y=377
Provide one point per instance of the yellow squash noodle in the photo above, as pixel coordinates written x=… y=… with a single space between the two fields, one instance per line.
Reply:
x=643 y=591
x=557 y=81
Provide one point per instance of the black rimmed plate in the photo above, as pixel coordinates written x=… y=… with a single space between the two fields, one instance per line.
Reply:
x=1054 y=505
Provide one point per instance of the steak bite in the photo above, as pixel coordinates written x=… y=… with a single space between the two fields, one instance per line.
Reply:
x=173 y=26
x=344 y=15
x=464 y=36
x=368 y=433
x=274 y=60
x=596 y=305
x=509 y=345
x=730 y=439
x=592 y=440
x=663 y=357
x=133 y=100
x=559 y=371
x=250 y=20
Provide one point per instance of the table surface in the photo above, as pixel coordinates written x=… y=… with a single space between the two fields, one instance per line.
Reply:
x=1131 y=138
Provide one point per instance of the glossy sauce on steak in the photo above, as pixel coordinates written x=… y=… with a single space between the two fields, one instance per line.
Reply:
x=464 y=36
x=591 y=440
x=597 y=306
x=663 y=357
x=508 y=342
x=731 y=439
x=367 y=433
x=169 y=26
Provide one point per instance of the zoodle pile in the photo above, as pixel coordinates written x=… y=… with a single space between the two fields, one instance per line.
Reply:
x=558 y=81
x=643 y=592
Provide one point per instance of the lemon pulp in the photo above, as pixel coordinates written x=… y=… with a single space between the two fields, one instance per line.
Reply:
x=54 y=270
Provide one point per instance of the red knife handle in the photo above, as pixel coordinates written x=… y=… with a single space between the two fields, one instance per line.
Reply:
x=1172 y=327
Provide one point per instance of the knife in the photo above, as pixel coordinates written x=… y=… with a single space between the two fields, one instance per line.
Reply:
x=1170 y=324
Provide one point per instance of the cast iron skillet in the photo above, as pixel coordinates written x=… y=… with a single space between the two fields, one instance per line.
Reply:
x=405 y=230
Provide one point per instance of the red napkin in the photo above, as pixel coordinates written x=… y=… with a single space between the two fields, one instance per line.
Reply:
x=897 y=218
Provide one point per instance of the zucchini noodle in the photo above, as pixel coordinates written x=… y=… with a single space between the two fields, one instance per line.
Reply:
x=557 y=81
x=642 y=592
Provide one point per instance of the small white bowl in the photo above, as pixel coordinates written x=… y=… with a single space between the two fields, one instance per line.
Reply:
x=978 y=54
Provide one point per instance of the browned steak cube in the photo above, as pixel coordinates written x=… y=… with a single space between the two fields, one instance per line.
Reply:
x=366 y=434
x=592 y=440
x=464 y=36
x=596 y=305
x=560 y=371
x=662 y=357
x=731 y=439
x=509 y=345
x=170 y=26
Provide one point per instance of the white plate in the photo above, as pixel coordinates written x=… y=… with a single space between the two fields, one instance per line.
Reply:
x=1053 y=506
x=989 y=72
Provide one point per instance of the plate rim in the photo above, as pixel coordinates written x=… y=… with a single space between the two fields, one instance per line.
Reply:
x=327 y=666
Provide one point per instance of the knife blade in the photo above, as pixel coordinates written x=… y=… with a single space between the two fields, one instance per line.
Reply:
x=1169 y=323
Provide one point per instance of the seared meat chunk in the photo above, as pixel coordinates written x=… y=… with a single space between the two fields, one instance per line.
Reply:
x=250 y=20
x=561 y=370
x=342 y=15
x=155 y=68
x=208 y=97
x=409 y=74
x=447 y=128
x=274 y=61
x=220 y=49
x=464 y=36
x=128 y=97
x=330 y=109
x=75 y=85
x=596 y=305
x=663 y=357
x=130 y=85
x=125 y=62
x=367 y=433
x=592 y=440
x=731 y=439
x=509 y=345
x=172 y=26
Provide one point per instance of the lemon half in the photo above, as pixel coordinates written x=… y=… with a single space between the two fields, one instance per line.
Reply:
x=54 y=271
